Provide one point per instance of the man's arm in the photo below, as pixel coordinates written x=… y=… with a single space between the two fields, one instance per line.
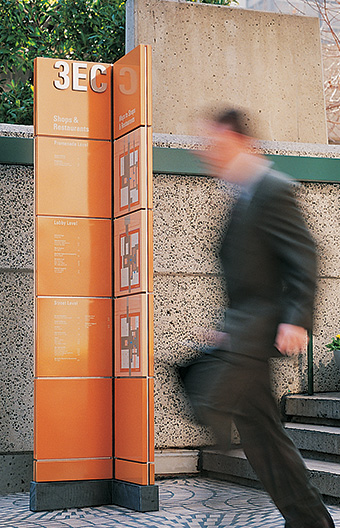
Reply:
x=295 y=249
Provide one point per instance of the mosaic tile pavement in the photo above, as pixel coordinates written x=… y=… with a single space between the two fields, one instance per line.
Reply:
x=184 y=503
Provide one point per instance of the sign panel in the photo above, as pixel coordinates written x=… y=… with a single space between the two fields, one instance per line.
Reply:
x=73 y=177
x=73 y=256
x=72 y=98
x=131 y=400
x=73 y=418
x=135 y=472
x=81 y=469
x=132 y=91
x=73 y=337
x=134 y=446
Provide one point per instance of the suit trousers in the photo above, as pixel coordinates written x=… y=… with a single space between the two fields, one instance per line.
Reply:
x=225 y=387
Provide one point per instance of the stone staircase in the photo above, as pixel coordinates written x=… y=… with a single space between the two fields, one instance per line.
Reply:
x=313 y=422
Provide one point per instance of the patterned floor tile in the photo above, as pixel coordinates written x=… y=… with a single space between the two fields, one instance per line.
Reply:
x=184 y=503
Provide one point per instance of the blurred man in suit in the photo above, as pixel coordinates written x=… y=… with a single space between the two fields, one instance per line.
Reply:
x=269 y=263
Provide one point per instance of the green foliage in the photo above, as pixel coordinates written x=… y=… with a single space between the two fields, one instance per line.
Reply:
x=90 y=30
x=335 y=343
x=219 y=2
x=16 y=104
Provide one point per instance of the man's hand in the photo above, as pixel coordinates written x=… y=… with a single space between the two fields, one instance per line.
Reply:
x=291 y=340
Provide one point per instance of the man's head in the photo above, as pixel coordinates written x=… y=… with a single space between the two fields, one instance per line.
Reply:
x=230 y=154
x=235 y=120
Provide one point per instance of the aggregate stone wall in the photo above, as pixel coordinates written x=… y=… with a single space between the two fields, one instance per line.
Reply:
x=189 y=214
x=205 y=56
x=16 y=321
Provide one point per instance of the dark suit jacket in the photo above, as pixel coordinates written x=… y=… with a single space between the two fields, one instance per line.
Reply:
x=268 y=257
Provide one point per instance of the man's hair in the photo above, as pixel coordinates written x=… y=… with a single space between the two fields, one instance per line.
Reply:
x=237 y=120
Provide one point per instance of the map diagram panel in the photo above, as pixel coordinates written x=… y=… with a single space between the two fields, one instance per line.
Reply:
x=132 y=171
x=131 y=253
x=131 y=336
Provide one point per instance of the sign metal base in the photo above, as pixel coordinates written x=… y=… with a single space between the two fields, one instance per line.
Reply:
x=46 y=496
x=134 y=496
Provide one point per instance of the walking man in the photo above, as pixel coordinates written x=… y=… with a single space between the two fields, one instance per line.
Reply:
x=269 y=263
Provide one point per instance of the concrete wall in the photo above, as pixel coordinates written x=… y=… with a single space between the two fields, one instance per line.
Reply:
x=188 y=218
x=207 y=55
x=203 y=56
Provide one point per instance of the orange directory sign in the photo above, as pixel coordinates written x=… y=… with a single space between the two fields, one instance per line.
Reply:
x=74 y=264
x=132 y=91
x=72 y=98
x=73 y=177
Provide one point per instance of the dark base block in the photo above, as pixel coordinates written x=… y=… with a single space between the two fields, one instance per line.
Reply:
x=85 y=493
x=74 y=494
x=135 y=497
x=16 y=470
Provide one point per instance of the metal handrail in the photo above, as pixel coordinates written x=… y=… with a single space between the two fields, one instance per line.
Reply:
x=310 y=372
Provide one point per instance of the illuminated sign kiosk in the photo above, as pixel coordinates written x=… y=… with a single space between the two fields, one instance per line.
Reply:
x=93 y=379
